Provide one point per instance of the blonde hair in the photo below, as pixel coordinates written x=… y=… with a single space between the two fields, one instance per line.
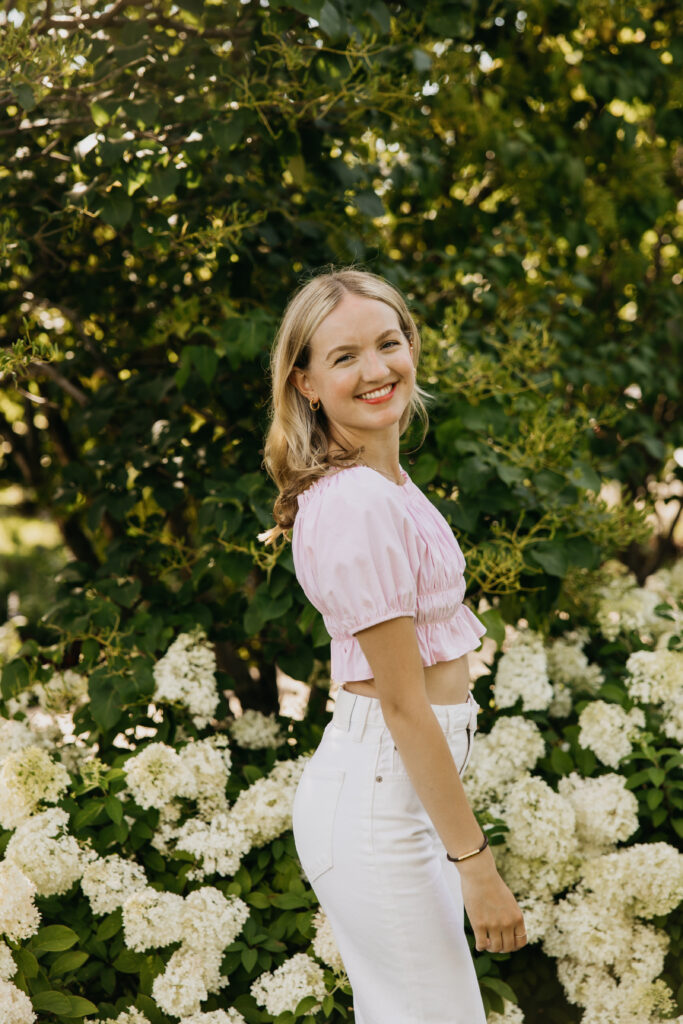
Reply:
x=297 y=445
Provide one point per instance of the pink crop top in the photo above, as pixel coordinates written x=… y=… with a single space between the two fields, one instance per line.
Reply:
x=365 y=550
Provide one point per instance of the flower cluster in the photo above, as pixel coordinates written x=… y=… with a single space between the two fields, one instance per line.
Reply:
x=324 y=945
x=624 y=607
x=205 y=922
x=43 y=850
x=523 y=672
x=186 y=675
x=608 y=730
x=28 y=778
x=283 y=989
x=654 y=677
x=500 y=757
x=255 y=731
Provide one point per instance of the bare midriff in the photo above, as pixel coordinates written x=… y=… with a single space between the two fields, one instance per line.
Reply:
x=447 y=682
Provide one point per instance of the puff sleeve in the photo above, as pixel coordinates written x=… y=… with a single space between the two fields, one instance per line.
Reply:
x=355 y=553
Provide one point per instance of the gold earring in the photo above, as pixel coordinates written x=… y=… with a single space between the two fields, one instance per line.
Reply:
x=314 y=404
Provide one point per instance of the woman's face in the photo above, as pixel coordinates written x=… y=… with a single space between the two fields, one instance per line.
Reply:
x=361 y=368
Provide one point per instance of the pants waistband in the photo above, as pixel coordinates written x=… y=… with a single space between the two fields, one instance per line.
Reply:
x=357 y=714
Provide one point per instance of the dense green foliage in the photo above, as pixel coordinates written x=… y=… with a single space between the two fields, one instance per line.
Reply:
x=169 y=173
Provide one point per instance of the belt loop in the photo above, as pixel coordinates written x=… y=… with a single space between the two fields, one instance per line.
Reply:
x=361 y=710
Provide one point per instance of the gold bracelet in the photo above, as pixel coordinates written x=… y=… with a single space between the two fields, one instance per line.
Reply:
x=472 y=853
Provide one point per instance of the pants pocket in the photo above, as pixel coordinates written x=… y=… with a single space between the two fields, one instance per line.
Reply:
x=313 y=817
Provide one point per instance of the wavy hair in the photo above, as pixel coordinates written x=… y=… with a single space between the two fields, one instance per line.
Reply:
x=297 y=444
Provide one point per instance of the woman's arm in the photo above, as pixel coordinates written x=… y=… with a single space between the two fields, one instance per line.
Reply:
x=392 y=650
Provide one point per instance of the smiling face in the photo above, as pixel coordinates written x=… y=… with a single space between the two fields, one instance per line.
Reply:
x=361 y=369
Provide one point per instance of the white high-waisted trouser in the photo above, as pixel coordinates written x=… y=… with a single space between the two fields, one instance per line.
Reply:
x=379 y=869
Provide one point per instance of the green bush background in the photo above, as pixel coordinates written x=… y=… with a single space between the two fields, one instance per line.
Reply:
x=170 y=173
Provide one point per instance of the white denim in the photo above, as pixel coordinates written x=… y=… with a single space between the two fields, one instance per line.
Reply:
x=379 y=869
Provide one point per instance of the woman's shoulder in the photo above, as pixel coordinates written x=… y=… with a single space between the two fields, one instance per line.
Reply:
x=357 y=484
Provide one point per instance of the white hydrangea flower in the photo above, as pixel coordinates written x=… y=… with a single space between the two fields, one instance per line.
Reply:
x=606 y=811
x=229 y=1016
x=254 y=731
x=583 y=927
x=208 y=762
x=10 y=641
x=535 y=878
x=283 y=989
x=568 y=665
x=500 y=757
x=264 y=810
x=181 y=988
x=512 y=1014
x=623 y=607
x=608 y=730
x=108 y=881
x=157 y=775
x=152 y=919
x=8 y=968
x=186 y=675
x=64 y=691
x=607 y=1001
x=647 y=878
x=523 y=672
x=219 y=845
x=562 y=702
x=324 y=944
x=668 y=582
x=44 y=851
x=672 y=711
x=654 y=677
x=129 y=1016
x=211 y=920
x=15 y=1005
x=29 y=777
x=14 y=735
x=19 y=916
x=539 y=819
x=537 y=912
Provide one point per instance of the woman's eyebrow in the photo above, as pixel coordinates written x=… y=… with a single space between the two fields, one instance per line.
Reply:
x=350 y=345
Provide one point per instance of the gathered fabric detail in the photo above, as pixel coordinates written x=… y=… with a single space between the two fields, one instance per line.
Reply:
x=444 y=640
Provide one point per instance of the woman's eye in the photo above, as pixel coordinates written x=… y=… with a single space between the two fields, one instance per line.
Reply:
x=391 y=341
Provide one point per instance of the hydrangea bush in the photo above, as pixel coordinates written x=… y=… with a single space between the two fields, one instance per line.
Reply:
x=154 y=879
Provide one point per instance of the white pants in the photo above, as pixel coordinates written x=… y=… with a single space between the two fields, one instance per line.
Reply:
x=379 y=869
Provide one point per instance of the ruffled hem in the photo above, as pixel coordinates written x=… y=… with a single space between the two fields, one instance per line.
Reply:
x=437 y=641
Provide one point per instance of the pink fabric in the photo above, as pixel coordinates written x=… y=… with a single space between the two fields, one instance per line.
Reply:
x=366 y=550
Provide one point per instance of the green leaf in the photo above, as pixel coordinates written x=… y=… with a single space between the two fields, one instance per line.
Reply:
x=54 y=938
x=499 y=986
x=114 y=809
x=70 y=961
x=495 y=627
x=52 y=1001
x=79 y=1007
x=330 y=20
x=162 y=182
x=421 y=60
x=551 y=556
x=249 y=958
x=206 y=362
x=99 y=114
x=23 y=94
x=289 y=901
x=656 y=776
x=561 y=761
x=654 y=798
x=110 y=925
x=88 y=813
x=129 y=962
x=425 y=469
x=26 y=962
x=15 y=678
x=116 y=209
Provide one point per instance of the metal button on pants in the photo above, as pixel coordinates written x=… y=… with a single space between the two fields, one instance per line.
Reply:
x=379 y=869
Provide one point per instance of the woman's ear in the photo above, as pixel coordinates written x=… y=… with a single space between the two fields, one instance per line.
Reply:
x=299 y=379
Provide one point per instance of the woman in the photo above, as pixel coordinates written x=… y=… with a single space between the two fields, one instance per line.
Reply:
x=381 y=822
